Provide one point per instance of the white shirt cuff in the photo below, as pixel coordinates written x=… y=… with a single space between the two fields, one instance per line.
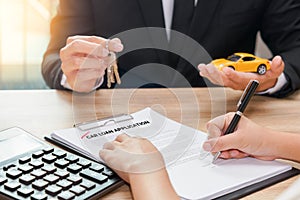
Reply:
x=66 y=85
x=281 y=81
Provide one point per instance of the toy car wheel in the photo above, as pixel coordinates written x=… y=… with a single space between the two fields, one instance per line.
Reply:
x=261 y=69
x=232 y=67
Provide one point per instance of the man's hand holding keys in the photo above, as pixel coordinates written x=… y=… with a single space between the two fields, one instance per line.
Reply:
x=85 y=59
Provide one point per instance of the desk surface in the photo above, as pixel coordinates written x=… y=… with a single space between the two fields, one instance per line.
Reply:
x=41 y=111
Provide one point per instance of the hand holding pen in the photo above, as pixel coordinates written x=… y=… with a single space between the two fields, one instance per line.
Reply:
x=242 y=104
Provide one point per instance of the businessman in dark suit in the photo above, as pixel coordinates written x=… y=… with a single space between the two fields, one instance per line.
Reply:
x=76 y=59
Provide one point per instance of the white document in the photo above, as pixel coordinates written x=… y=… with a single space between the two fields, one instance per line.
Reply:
x=190 y=169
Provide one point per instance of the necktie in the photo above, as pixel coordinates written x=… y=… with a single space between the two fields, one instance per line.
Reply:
x=183 y=15
x=182 y=18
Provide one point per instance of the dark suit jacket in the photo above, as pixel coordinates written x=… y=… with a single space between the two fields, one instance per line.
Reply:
x=222 y=27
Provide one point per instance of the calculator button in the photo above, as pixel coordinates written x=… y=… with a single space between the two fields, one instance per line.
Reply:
x=38 y=196
x=51 y=178
x=2 y=180
x=88 y=184
x=25 y=192
x=53 y=190
x=108 y=173
x=75 y=179
x=49 y=169
x=78 y=190
x=97 y=167
x=93 y=176
x=12 y=186
x=72 y=158
x=24 y=160
x=13 y=173
x=26 y=179
x=25 y=168
x=59 y=154
x=84 y=163
x=66 y=195
x=48 y=159
x=74 y=168
x=61 y=163
x=48 y=150
x=38 y=154
x=62 y=173
x=39 y=184
x=65 y=184
x=5 y=168
x=38 y=173
x=36 y=164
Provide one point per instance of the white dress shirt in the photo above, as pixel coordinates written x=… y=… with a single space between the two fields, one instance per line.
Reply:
x=168 y=7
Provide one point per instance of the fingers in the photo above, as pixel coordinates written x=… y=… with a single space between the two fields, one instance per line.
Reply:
x=277 y=65
x=83 y=80
x=219 y=122
x=94 y=39
x=233 y=154
x=218 y=125
x=239 y=80
x=215 y=127
x=84 y=63
x=227 y=77
x=77 y=52
x=85 y=58
x=109 y=146
x=212 y=73
x=114 y=44
x=224 y=143
x=269 y=79
x=104 y=154
x=216 y=142
x=122 y=137
x=83 y=47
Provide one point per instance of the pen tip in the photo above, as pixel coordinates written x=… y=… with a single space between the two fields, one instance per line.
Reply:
x=216 y=156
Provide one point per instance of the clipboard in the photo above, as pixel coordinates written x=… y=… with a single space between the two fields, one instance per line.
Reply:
x=87 y=126
x=260 y=186
x=233 y=194
x=84 y=126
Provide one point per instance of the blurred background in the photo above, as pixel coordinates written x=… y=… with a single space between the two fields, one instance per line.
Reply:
x=24 y=36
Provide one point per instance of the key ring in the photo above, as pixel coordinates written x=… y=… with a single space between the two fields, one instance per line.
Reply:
x=112 y=70
x=109 y=54
x=107 y=44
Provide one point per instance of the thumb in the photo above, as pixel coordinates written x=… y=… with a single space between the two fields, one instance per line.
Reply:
x=223 y=143
x=115 y=45
x=277 y=65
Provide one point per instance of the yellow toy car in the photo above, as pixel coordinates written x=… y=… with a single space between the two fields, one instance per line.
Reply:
x=243 y=62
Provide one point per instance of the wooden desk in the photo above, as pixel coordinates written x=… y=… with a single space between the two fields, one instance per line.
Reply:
x=42 y=111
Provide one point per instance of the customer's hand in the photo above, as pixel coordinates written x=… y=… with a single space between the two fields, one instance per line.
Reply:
x=239 y=80
x=128 y=155
x=249 y=139
x=85 y=58
x=138 y=162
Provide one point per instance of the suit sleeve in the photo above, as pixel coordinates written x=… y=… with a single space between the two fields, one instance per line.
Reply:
x=280 y=30
x=74 y=17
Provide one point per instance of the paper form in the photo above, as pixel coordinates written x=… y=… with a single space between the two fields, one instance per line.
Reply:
x=190 y=169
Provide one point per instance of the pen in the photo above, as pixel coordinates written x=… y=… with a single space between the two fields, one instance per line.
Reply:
x=242 y=104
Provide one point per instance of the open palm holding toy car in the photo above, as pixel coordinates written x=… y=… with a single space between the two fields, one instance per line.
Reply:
x=243 y=62
x=234 y=71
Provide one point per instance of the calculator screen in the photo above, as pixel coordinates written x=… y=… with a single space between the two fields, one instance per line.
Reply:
x=14 y=144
